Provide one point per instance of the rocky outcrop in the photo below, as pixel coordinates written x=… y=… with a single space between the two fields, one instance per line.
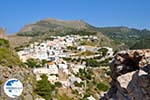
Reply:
x=23 y=74
x=3 y=33
x=130 y=76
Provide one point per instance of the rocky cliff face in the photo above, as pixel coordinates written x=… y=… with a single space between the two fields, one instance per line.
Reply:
x=3 y=33
x=130 y=76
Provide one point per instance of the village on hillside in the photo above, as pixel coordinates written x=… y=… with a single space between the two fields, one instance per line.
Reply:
x=71 y=60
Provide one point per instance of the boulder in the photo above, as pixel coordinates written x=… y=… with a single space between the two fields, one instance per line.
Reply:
x=130 y=80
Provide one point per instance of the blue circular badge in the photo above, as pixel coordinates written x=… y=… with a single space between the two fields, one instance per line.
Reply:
x=13 y=88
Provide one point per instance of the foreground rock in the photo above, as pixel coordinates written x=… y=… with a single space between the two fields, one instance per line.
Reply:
x=130 y=76
x=24 y=75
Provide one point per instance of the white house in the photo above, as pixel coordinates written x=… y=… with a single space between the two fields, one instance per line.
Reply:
x=52 y=67
x=91 y=98
x=42 y=70
x=72 y=79
x=42 y=55
x=53 y=78
x=75 y=68
x=62 y=66
x=81 y=48
x=65 y=83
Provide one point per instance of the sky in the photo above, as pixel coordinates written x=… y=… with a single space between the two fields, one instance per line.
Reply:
x=14 y=14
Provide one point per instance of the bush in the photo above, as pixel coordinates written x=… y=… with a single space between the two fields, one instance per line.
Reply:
x=105 y=62
x=58 y=84
x=31 y=63
x=4 y=43
x=103 y=51
x=78 y=84
x=71 y=48
x=102 y=87
x=92 y=63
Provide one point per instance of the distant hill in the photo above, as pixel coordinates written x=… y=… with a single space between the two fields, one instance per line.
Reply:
x=133 y=38
x=122 y=37
x=46 y=27
x=142 y=43
x=50 y=25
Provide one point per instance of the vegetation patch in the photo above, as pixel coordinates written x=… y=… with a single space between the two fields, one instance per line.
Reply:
x=102 y=87
x=8 y=57
x=44 y=88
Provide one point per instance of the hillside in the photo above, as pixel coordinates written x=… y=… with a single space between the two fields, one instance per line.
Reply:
x=142 y=43
x=11 y=67
x=122 y=37
x=44 y=28
x=49 y=25
x=16 y=41
x=8 y=57
x=130 y=36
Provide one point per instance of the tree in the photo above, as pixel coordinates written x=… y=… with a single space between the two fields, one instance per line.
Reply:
x=58 y=84
x=30 y=63
x=92 y=63
x=44 y=62
x=103 y=51
x=78 y=84
x=4 y=43
x=44 y=88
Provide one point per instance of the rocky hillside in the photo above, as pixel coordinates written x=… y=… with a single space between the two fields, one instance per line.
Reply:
x=16 y=41
x=8 y=57
x=50 y=25
x=11 y=67
x=24 y=75
x=130 y=76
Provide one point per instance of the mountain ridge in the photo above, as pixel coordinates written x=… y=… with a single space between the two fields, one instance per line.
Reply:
x=56 y=24
x=128 y=37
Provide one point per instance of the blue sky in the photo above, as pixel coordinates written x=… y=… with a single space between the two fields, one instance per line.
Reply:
x=14 y=14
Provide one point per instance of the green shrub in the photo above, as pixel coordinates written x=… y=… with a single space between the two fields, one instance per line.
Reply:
x=4 y=43
x=78 y=84
x=44 y=88
x=103 y=51
x=58 y=84
x=8 y=57
x=102 y=87
x=92 y=63
x=31 y=63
